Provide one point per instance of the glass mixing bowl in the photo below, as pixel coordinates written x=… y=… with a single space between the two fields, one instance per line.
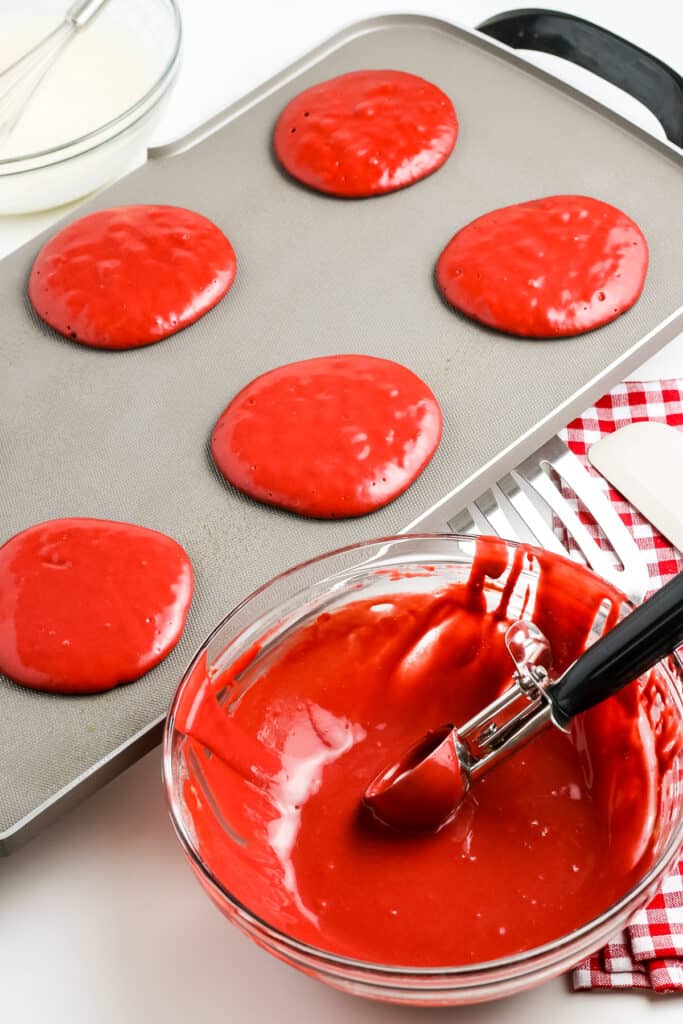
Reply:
x=147 y=32
x=297 y=597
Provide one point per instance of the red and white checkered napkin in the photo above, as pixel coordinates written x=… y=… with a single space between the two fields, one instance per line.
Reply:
x=649 y=953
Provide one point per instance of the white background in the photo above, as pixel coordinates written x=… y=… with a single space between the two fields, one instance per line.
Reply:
x=101 y=921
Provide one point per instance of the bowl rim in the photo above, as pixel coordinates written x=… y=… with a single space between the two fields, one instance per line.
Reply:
x=105 y=132
x=533 y=959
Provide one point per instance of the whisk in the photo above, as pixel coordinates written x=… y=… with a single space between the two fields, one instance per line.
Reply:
x=19 y=81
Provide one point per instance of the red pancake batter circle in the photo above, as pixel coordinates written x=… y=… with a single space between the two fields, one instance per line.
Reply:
x=87 y=604
x=366 y=133
x=132 y=275
x=329 y=437
x=548 y=268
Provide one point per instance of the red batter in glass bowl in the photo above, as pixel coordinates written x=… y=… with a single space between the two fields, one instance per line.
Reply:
x=330 y=672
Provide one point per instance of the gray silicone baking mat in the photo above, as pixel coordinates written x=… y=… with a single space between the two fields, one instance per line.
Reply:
x=124 y=435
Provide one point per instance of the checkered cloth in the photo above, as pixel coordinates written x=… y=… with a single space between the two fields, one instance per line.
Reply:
x=649 y=954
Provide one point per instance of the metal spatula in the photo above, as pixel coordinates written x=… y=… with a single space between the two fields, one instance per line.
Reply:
x=521 y=505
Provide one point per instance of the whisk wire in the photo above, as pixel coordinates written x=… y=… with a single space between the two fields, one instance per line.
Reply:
x=20 y=80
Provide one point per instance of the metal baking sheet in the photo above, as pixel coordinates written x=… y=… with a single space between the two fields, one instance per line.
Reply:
x=124 y=435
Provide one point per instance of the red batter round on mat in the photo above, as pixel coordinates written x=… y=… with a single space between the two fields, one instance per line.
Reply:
x=366 y=133
x=329 y=437
x=547 y=268
x=86 y=604
x=132 y=275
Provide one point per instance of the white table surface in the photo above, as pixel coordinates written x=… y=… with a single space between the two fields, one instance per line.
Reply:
x=101 y=920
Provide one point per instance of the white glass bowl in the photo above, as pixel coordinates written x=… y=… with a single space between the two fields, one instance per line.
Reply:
x=57 y=174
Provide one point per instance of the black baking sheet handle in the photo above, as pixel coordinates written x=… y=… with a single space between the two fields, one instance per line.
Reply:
x=615 y=59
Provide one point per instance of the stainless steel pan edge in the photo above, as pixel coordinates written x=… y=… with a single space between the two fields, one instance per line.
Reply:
x=435 y=518
x=369 y=25
x=82 y=787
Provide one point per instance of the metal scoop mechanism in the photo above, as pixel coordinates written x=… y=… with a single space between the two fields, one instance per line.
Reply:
x=426 y=786
x=424 y=789
x=519 y=713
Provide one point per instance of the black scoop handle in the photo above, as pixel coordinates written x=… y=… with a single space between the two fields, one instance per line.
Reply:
x=615 y=59
x=643 y=638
